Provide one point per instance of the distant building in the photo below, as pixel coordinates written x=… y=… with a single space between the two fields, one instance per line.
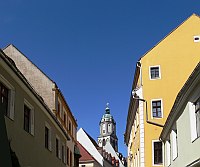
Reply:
x=159 y=75
x=106 y=151
x=100 y=157
x=49 y=93
x=181 y=132
x=108 y=130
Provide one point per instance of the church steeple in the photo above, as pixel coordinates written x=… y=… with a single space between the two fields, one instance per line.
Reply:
x=108 y=130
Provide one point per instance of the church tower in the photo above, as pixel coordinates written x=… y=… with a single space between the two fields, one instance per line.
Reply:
x=108 y=130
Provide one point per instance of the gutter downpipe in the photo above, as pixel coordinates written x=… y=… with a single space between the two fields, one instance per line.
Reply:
x=147 y=120
x=143 y=100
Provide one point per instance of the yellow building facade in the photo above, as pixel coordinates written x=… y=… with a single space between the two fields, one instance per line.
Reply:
x=159 y=76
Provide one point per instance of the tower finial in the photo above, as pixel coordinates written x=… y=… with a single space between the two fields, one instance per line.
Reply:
x=107 y=108
x=107 y=104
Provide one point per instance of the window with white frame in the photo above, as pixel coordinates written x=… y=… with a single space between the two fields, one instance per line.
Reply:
x=28 y=117
x=7 y=96
x=156 y=108
x=47 y=137
x=196 y=38
x=157 y=153
x=154 y=72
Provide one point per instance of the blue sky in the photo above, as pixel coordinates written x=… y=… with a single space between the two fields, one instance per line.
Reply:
x=90 y=47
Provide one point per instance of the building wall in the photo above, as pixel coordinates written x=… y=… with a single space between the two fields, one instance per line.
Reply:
x=177 y=55
x=187 y=149
x=49 y=92
x=30 y=148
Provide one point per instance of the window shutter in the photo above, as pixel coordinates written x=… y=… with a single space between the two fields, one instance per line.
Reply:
x=192 y=121
x=174 y=145
x=168 y=153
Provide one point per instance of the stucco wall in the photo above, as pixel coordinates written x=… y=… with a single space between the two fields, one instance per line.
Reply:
x=187 y=150
x=30 y=149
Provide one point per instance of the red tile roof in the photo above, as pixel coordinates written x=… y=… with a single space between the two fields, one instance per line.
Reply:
x=86 y=156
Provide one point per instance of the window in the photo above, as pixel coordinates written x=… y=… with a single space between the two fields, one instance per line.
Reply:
x=64 y=119
x=156 y=107
x=47 y=137
x=70 y=158
x=155 y=72
x=7 y=96
x=197 y=114
x=67 y=156
x=157 y=153
x=58 y=147
x=28 y=117
x=104 y=142
x=196 y=38
x=63 y=154
x=70 y=126
x=58 y=108
x=4 y=99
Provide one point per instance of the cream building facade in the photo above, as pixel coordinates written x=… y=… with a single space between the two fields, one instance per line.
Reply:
x=31 y=127
x=159 y=76
x=52 y=96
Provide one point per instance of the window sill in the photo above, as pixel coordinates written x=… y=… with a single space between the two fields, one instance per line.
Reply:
x=48 y=150
x=29 y=133
x=9 y=118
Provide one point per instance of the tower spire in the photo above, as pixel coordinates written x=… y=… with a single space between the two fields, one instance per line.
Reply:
x=107 y=108
x=108 y=130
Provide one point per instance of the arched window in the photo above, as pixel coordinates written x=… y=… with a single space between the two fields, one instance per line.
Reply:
x=104 y=142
